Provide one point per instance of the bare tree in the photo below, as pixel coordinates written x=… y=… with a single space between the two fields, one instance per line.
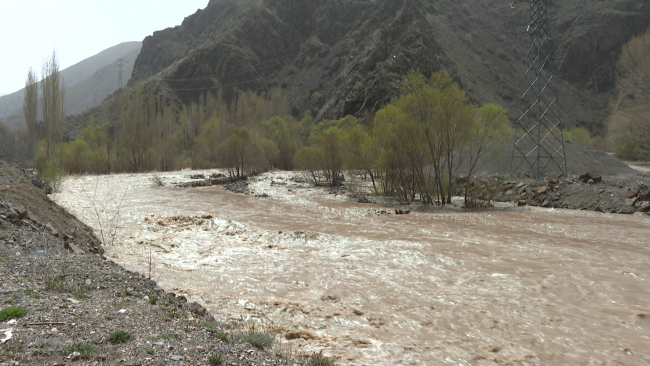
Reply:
x=13 y=144
x=52 y=103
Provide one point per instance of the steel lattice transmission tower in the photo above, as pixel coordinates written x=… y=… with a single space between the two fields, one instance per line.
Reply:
x=120 y=65
x=540 y=145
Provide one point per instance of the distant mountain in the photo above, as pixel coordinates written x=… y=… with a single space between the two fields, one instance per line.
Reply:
x=87 y=82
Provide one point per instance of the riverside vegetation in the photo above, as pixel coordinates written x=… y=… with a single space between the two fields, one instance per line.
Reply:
x=410 y=149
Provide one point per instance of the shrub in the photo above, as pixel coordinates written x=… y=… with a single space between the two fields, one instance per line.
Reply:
x=119 y=336
x=85 y=349
x=51 y=172
x=13 y=312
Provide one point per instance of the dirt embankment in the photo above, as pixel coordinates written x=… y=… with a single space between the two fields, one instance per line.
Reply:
x=52 y=265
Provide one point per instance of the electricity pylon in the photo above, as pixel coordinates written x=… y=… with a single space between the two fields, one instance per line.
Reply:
x=120 y=64
x=539 y=145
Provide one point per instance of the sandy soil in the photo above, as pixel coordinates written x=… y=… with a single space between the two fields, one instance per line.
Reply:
x=508 y=286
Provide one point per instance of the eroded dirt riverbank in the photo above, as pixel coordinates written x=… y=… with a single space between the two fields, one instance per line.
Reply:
x=519 y=286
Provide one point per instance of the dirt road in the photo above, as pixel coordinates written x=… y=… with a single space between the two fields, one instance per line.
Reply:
x=508 y=286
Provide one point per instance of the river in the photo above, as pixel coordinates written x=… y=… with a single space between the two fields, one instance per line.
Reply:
x=505 y=286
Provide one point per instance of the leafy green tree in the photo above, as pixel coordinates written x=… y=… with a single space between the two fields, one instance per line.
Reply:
x=361 y=152
x=238 y=152
x=75 y=156
x=311 y=159
x=100 y=147
x=490 y=130
x=279 y=131
x=629 y=133
x=629 y=124
x=209 y=139
x=402 y=154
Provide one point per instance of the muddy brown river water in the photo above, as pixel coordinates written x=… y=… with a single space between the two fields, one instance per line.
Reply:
x=506 y=286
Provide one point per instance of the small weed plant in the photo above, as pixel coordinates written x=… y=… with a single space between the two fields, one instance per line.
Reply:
x=119 y=336
x=13 y=312
x=223 y=337
x=153 y=300
x=173 y=315
x=56 y=283
x=215 y=360
x=150 y=351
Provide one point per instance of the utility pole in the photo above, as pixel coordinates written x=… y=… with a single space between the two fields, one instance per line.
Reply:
x=540 y=145
x=120 y=65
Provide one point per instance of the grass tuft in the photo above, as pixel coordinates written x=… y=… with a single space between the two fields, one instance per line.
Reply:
x=85 y=349
x=119 y=336
x=317 y=359
x=258 y=339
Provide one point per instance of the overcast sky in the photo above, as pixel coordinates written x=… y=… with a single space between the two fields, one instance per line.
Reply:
x=31 y=29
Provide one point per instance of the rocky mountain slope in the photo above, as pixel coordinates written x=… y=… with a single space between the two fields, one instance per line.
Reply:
x=348 y=56
x=88 y=82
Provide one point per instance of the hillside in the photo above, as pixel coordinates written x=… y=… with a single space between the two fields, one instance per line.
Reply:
x=355 y=52
x=88 y=82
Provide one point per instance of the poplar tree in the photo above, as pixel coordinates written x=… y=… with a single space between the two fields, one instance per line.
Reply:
x=30 y=105
x=52 y=103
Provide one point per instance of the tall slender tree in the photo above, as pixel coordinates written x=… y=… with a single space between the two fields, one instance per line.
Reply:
x=52 y=103
x=30 y=105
